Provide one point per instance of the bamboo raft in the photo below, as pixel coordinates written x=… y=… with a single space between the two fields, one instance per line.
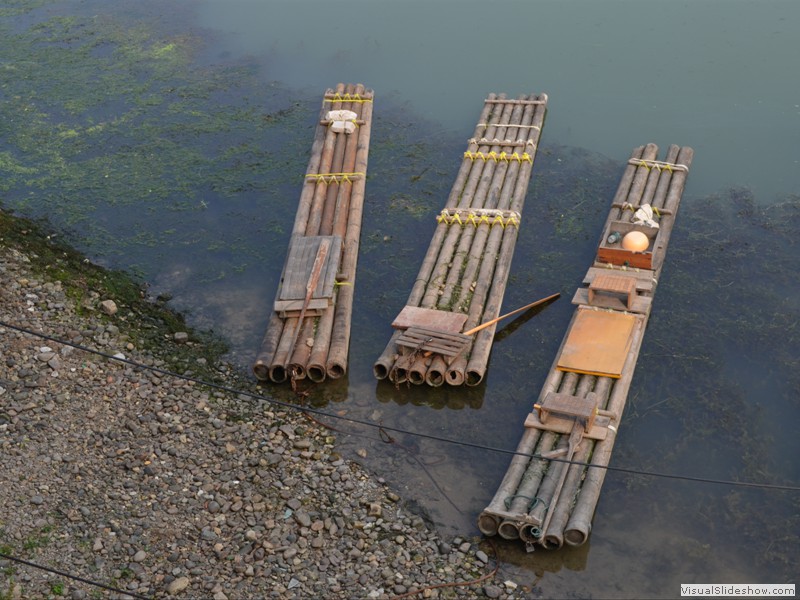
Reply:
x=308 y=334
x=463 y=276
x=543 y=499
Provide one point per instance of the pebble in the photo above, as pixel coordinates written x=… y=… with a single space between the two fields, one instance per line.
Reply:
x=109 y=307
x=178 y=585
x=184 y=491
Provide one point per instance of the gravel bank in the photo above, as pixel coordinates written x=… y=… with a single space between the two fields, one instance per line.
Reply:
x=163 y=488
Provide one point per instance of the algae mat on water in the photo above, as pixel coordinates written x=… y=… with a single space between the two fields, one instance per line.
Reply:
x=112 y=128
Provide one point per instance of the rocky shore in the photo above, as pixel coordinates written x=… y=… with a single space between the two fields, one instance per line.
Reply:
x=157 y=486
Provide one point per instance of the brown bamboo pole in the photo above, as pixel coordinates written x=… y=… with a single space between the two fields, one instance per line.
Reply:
x=532 y=497
x=320 y=222
x=269 y=344
x=624 y=187
x=479 y=356
x=417 y=370
x=307 y=224
x=580 y=522
x=579 y=525
x=658 y=178
x=492 y=191
x=480 y=175
x=338 y=212
x=553 y=535
x=340 y=339
x=659 y=195
x=489 y=520
x=383 y=366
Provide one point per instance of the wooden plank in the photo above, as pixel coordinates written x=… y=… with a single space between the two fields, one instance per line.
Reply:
x=429 y=318
x=641 y=304
x=300 y=261
x=597 y=343
x=564 y=425
x=643 y=277
x=292 y=308
x=428 y=340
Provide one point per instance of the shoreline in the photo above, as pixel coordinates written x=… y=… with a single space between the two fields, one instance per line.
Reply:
x=159 y=487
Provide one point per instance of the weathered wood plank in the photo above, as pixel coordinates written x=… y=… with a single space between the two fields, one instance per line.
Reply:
x=302 y=252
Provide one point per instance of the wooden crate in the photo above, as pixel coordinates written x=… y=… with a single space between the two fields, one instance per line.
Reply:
x=617 y=255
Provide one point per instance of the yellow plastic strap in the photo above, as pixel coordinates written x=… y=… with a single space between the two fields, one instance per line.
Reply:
x=347 y=98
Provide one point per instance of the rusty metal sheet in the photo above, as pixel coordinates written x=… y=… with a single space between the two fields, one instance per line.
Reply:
x=597 y=343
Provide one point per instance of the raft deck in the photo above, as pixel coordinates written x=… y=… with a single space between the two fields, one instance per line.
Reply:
x=544 y=500
x=308 y=334
x=467 y=263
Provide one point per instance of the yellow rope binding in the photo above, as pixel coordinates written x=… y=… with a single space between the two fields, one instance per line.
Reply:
x=658 y=165
x=347 y=98
x=333 y=177
x=501 y=157
x=478 y=217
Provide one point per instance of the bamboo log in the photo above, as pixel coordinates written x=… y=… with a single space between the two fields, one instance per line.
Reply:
x=488 y=521
x=383 y=366
x=338 y=217
x=624 y=187
x=454 y=251
x=320 y=222
x=276 y=325
x=325 y=207
x=569 y=518
x=479 y=358
x=340 y=339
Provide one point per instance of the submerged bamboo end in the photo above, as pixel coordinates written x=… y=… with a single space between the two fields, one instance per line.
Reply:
x=508 y=530
x=316 y=373
x=577 y=536
x=488 y=524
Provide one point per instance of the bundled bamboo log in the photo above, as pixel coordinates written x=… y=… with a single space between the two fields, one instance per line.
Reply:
x=467 y=263
x=548 y=495
x=310 y=338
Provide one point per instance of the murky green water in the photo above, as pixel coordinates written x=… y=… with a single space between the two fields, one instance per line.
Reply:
x=171 y=139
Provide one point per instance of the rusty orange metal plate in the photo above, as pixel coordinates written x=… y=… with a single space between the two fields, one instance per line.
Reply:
x=597 y=343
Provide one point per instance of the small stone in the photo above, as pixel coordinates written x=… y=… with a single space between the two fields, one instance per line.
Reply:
x=492 y=591
x=481 y=556
x=37 y=499
x=139 y=556
x=464 y=547
x=181 y=337
x=109 y=307
x=98 y=545
x=375 y=510
x=178 y=585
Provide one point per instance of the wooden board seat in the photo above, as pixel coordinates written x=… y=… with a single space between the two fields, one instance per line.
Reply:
x=567 y=405
x=608 y=283
x=640 y=305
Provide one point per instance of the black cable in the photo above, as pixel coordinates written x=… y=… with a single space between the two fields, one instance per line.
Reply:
x=75 y=577
x=223 y=388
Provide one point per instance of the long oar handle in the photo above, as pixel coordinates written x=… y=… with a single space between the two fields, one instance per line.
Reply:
x=513 y=312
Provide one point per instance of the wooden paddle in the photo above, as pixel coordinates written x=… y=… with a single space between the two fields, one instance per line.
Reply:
x=431 y=341
x=513 y=312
